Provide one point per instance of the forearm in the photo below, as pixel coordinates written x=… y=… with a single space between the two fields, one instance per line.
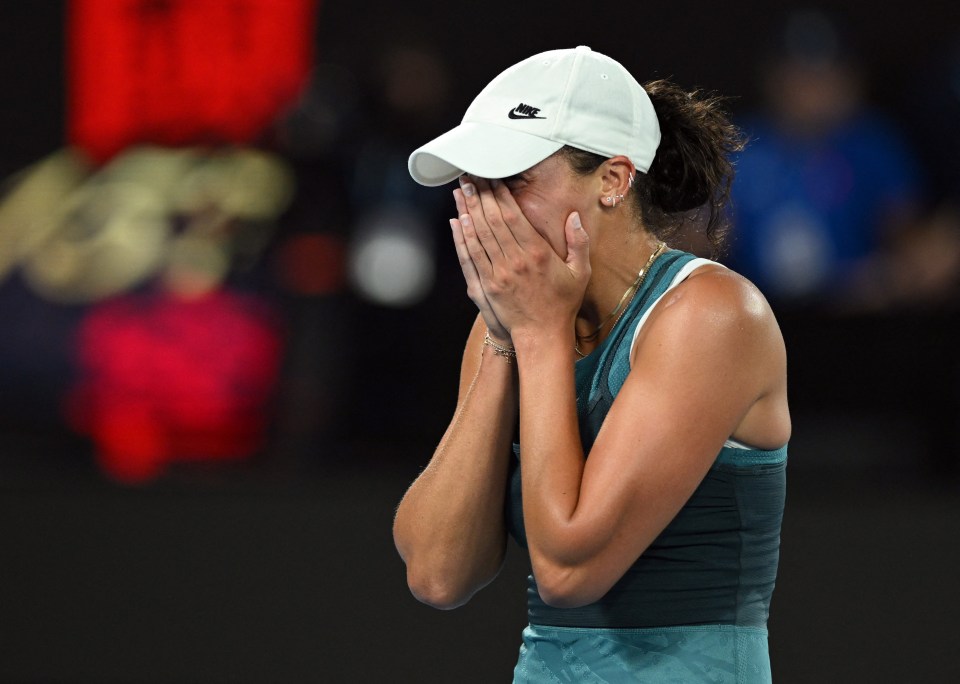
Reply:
x=449 y=527
x=567 y=543
x=553 y=458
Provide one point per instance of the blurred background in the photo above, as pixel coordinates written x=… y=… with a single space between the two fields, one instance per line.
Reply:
x=230 y=324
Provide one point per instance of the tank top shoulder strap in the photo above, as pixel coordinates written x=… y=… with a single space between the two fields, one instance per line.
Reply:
x=675 y=265
x=600 y=375
x=681 y=274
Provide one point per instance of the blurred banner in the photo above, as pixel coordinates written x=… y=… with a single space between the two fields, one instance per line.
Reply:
x=176 y=72
x=172 y=361
x=145 y=242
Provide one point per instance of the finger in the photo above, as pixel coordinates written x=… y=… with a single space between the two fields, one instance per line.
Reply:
x=470 y=274
x=578 y=245
x=460 y=202
x=463 y=256
x=513 y=216
x=501 y=224
x=482 y=214
x=475 y=249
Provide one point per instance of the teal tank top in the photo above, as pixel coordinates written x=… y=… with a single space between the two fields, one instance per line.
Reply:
x=716 y=562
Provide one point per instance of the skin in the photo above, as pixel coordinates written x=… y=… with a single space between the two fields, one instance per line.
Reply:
x=544 y=255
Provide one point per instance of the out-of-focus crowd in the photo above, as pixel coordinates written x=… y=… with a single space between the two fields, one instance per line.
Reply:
x=837 y=204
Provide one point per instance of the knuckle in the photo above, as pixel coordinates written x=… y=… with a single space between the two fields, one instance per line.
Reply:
x=538 y=255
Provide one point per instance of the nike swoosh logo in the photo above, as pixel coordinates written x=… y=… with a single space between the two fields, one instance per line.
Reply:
x=513 y=115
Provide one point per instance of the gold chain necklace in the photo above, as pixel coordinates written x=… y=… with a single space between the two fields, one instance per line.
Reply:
x=625 y=301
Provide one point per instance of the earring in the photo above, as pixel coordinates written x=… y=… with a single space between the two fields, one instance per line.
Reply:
x=630 y=177
x=612 y=201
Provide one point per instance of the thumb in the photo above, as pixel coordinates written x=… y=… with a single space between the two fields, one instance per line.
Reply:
x=578 y=245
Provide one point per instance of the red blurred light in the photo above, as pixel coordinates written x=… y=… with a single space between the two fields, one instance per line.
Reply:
x=178 y=72
x=168 y=379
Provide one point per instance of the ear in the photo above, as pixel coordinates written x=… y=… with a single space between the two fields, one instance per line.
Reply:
x=616 y=177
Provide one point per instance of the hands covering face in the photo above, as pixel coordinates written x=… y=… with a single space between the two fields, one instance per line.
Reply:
x=519 y=283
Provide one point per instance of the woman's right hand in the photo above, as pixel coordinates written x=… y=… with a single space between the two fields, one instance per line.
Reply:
x=474 y=289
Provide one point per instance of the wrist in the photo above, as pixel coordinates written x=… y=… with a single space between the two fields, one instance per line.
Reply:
x=499 y=337
x=543 y=339
x=504 y=350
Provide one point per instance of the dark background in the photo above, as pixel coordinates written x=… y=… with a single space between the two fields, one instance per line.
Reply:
x=282 y=569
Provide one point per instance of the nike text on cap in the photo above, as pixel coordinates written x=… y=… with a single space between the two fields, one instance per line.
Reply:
x=573 y=97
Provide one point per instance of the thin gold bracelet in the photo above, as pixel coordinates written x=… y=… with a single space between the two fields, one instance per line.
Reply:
x=509 y=353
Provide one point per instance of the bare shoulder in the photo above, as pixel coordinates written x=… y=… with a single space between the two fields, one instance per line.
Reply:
x=722 y=290
x=717 y=306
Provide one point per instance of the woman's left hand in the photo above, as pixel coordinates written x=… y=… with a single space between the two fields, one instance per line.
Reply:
x=529 y=286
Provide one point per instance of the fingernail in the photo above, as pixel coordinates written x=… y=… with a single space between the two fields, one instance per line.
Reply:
x=576 y=220
x=468 y=189
x=465 y=220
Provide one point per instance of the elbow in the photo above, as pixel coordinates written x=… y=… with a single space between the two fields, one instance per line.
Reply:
x=436 y=592
x=565 y=588
x=427 y=583
x=562 y=597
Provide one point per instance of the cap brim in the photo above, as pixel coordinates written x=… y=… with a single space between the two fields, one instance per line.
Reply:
x=479 y=149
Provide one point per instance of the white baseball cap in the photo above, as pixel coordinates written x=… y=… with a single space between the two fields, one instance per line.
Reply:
x=574 y=97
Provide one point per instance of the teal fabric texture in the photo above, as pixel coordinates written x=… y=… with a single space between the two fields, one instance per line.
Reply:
x=719 y=654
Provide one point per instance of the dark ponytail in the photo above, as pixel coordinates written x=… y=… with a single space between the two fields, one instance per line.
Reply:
x=692 y=170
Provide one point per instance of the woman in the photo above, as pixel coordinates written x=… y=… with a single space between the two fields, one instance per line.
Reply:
x=647 y=387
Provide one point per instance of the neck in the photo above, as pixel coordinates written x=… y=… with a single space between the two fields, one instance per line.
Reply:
x=615 y=267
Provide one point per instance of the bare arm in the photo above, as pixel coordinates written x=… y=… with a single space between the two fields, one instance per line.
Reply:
x=449 y=527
